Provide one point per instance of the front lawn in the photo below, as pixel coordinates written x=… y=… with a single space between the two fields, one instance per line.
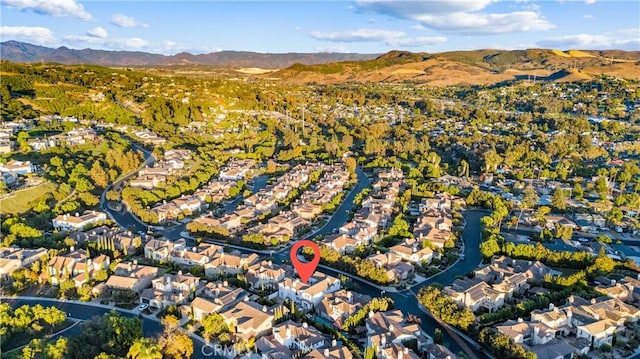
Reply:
x=21 y=201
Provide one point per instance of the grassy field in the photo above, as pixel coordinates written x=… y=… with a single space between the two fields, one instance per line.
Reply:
x=20 y=202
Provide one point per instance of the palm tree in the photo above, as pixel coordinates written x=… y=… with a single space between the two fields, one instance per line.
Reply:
x=144 y=348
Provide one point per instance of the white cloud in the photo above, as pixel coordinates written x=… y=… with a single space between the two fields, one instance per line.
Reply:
x=459 y=16
x=125 y=21
x=481 y=24
x=588 y=16
x=624 y=39
x=361 y=35
x=33 y=34
x=589 y=2
x=131 y=43
x=98 y=32
x=389 y=37
x=50 y=7
x=408 y=9
x=419 y=41
x=337 y=48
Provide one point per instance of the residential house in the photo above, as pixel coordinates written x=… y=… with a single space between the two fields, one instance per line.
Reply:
x=39 y=144
x=397 y=351
x=131 y=277
x=503 y=266
x=75 y=266
x=200 y=255
x=170 y=289
x=298 y=336
x=265 y=275
x=439 y=351
x=18 y=167
x=598 y=333
x=474 y=294
x=410 y=250
x=397 y=270
x=333 y=352
x=522 y=332
x=338 y=306
x=229 y=263
x=214 y=298
x=161 y=249
x=308 y=295
x=147 y=182
x=386 y=329
x=6 y=145
x=67 y=222
x=250 y=319
x=13 y=258
x=236 y=170
x=341 y=243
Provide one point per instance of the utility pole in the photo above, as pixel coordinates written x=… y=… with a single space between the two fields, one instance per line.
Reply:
x=303 y=109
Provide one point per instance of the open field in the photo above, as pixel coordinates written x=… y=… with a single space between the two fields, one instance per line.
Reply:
x=19 y=203
x=255 y=70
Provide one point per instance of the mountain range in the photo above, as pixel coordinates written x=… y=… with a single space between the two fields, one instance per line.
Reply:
x=475 y=67
x=24 y=52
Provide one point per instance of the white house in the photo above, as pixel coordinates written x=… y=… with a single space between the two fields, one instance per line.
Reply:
x=17 y=167
x=67 y=222
x=308 y=295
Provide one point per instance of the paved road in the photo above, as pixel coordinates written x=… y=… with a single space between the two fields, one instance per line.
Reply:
x=257 y=183
x=404 y=300
x=124 y=218
x=341 y=215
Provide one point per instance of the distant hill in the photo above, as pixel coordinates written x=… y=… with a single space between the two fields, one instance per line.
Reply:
x=25 y=52
x=476 y=67
x=471 y=67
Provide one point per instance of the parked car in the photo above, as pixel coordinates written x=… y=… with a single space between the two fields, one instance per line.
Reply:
x=143 y=306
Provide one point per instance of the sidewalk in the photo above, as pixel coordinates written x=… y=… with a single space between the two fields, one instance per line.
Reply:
x=75 y=322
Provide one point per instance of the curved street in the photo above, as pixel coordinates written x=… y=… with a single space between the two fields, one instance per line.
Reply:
x=123 y=217
x=405 y=300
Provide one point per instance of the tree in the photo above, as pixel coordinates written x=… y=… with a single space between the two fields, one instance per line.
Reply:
x=177 y=345
x=350 y=163
x=213 y=325
x=446 y=308
x=66 y=287
x=578 y=191
x=99 y=175
x=491 y=160
x=558 y=199
x=271 y=166
x=57 y=350
x=144 y=348
x=101 y=275
x=602 y=187
x=438 y=337
x=614 y=215
x=564 y=232
x=463 y=169
x=489 y=247
x=529 y=200
x=173 y=342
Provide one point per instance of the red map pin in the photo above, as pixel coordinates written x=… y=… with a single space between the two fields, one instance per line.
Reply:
x=305 y=269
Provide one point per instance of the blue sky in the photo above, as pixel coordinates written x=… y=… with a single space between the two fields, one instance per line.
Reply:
x=365 y=26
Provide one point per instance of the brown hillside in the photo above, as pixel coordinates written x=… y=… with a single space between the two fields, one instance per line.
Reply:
x=471 y=67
